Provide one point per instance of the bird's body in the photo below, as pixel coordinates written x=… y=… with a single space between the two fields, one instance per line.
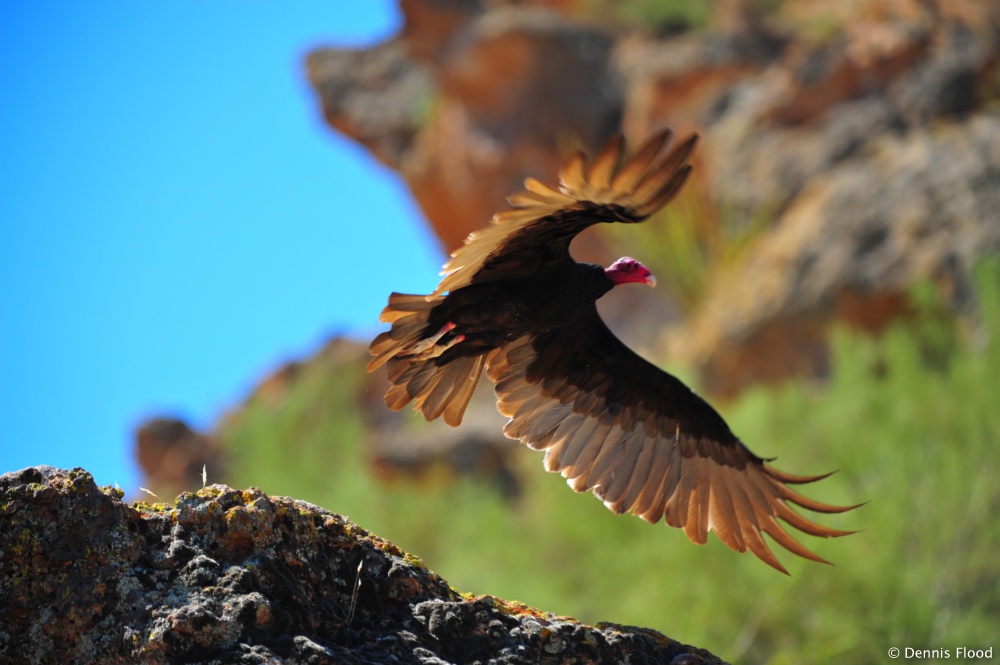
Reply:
x=490 y=314
x=514 y=303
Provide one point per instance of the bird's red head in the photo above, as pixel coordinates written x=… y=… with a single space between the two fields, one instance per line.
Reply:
x=627 y=270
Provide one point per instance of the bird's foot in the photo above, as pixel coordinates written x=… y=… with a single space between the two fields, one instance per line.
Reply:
x=428 y=347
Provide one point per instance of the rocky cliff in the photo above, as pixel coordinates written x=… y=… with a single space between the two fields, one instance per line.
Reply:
x=859 y=140
x=236 y=576
x=849 y=150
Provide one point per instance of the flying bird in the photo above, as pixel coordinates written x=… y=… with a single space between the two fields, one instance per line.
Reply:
x=513 y=302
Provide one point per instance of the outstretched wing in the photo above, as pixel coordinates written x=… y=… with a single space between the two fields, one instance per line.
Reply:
x=613 y=423
x=543 y=221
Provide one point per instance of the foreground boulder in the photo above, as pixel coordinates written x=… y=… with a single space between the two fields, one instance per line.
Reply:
x=236 y=576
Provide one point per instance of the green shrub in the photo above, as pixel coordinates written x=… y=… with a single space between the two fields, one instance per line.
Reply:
x=910 y=419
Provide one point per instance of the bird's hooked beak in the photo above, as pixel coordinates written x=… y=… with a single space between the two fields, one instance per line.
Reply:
x=627 y=270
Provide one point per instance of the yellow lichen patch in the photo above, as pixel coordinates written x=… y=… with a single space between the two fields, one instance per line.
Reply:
x=383 y=545
x=112 y=491
x=158 y=507
x=516 y=608
x=415 y=561
x=209 y=492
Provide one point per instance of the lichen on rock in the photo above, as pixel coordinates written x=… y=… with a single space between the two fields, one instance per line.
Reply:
x=237 y=576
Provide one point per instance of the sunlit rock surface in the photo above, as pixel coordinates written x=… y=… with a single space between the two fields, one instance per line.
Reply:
x=236 y=576
x=830 y=125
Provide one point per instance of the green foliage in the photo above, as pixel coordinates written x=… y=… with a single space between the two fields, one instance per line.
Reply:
x=666 y=16
x=910 y=419
x=653 y=15
x=295 y=446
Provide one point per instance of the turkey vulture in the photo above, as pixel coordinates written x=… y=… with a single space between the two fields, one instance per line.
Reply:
x=515 y=303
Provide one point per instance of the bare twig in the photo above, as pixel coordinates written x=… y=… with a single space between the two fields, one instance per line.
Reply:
x=354 y=595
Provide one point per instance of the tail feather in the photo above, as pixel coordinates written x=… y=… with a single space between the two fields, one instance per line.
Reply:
x=412 y=364
x=386 y=346
x=452 y=390
x=455 y=407
x=435 y=390
x=408 y=315
x=401 y=304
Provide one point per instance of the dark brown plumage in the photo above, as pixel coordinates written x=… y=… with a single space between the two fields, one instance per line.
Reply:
x=515 y=303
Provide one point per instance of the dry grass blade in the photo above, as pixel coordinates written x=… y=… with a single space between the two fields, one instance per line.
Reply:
x=354 y=594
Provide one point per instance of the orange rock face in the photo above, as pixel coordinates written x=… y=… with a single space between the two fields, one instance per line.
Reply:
x=865 y=133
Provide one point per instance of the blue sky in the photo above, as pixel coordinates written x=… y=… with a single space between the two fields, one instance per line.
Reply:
x=175 y=219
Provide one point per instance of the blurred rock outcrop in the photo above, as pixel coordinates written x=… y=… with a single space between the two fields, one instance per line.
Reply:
x=863 y=132
x=173 y=457
x=918 y=206
x=467 y=102
x=856 y=143
x=236 y=576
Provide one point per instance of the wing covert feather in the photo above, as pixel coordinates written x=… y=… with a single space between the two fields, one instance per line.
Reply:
x=643 y=442
x=543 y=221
x=608 y=421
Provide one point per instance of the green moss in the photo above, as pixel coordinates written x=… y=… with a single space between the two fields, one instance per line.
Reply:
x=112 y=491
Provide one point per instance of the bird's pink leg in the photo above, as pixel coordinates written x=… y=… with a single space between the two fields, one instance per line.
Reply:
x=428 y=347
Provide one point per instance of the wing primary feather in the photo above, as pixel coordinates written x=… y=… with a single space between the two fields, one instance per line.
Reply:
x=607 y=160
x=680 y=153
x=546 y=423
x=608 y=454
x=590 y=448
x=552 y=454
x=650 y=503
x=775 y=530
x=650 y=193
x=572 y=177
x=757 y=545
x=527 y=199
x=632 y=473
x=669 y=191
x=601 y=413
x=577 y=435
x=562 y=438
x=631 y=172
x=758 y=504
x=722 y=514
x=656 y=178
x=540 y=188
x=642 y=474
x=521 y=417
x=793 y=479
x=520 y=392
x=789 y=494
x=783 y=511
x=699 y=503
